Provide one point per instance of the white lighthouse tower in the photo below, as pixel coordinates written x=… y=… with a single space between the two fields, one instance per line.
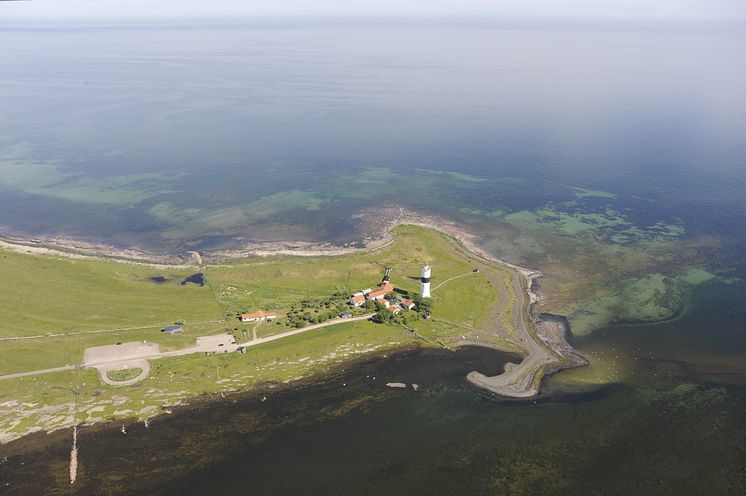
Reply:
x=425 y=282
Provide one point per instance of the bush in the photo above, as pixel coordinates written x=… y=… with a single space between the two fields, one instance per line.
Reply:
x=423 y=304
x=383 y=316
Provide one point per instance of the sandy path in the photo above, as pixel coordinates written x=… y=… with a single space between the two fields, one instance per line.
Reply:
x=143 y=365
x=39 y=372
x=449 y=280
x=274 y=337
x=99 y=331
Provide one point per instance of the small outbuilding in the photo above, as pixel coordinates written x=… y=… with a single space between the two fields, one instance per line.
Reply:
x=357 y=300
x=407 y=304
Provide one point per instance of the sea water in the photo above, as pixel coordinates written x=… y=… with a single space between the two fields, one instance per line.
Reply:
x=608 y=157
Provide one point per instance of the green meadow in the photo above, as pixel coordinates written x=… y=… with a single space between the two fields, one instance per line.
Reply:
x=92 y=302
x=47 y=294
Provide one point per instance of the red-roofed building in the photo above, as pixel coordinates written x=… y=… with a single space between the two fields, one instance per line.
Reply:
x=382 y=291
x=258 y=316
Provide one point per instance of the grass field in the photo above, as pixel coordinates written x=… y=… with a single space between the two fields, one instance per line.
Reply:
x=123 y=374
x=86 y=299
x=57 y=294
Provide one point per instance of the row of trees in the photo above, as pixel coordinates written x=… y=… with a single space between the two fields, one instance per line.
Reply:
x=309 y=312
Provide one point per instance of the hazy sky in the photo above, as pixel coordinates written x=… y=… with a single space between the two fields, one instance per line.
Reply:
x=50 y=10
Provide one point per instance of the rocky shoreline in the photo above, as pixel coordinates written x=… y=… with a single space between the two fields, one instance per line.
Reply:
x=554 y=330
x=376 y=228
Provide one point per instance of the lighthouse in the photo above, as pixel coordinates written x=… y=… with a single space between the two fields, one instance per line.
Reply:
x=425 y=282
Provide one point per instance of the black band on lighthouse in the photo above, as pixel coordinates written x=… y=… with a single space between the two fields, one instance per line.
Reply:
x=425 y=279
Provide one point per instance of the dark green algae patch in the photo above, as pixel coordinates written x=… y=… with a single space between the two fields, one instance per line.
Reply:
x=346 y=433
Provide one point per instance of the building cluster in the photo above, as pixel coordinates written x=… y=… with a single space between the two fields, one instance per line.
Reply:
x=381 y=294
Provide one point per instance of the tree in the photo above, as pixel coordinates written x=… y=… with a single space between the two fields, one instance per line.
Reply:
x=423 y=304
x=383 y=315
